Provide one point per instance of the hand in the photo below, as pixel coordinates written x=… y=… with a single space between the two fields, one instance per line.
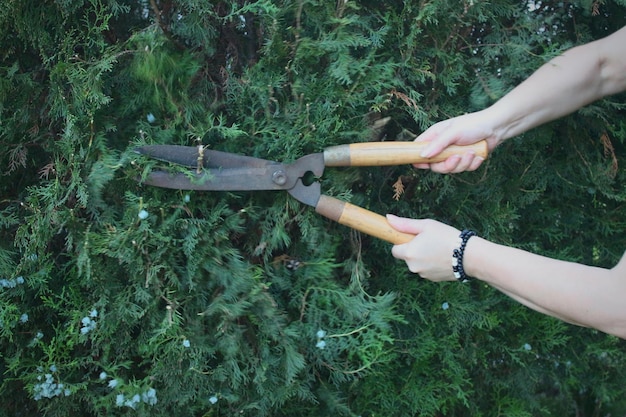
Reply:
x=429 y=254
x=462 y=130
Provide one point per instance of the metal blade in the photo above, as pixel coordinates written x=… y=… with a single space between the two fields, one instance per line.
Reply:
x=231 y=179
x=309 y=195
x=310 y=192
x=313 y=163
x=222 y=171
x=200 y=157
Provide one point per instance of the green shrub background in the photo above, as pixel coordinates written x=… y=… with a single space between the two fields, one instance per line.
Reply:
x=122 y=299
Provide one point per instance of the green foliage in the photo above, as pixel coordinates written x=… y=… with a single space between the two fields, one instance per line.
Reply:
x=120 y=299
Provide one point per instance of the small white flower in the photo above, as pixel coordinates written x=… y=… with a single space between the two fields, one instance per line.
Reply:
x=113 y=383
x=186 y=343
x=150 y=117
x=320 y=345
x=103 y=375
x=213 y=399
x=320 y=334
x=143 y=215
x=24 y=318
x=445 y=306
x=527 y=346
x=187 y=198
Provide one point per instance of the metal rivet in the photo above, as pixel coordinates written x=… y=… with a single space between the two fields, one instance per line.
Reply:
x=279 y=177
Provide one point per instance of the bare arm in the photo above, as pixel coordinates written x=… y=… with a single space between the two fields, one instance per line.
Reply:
x=568 y=82
x=579 y=294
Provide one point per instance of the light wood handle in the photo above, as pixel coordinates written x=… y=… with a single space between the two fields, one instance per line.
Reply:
x=360 y=219
x=393 y=153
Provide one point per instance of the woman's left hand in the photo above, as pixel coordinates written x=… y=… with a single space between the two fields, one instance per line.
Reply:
x=429 y=254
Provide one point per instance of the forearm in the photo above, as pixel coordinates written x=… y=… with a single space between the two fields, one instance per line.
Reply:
x=563 y=85
x=568 y=82
x=579 y=294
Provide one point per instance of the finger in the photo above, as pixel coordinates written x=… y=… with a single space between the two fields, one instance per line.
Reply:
x=399 y=252
x=464 y=163
x=429 y=134
x=437 y=137
x=456 y=164
x=404 y=253
x=437 y=140
x=476 y=163
x=448 y=166
x=405 y=225
x=435 y=147
x=422 y=166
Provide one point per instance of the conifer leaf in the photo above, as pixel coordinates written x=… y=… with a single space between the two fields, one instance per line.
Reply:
x=398 y=189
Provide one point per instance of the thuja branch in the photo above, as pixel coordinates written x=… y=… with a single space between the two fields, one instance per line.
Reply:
x=355 y=371
x=350 y=333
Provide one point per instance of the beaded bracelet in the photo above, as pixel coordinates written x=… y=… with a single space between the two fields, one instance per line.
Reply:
x=457 y=256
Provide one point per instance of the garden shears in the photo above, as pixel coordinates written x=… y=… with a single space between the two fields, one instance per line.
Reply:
x=211 y=170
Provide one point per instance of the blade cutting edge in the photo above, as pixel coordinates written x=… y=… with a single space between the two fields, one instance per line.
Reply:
x=194 y=156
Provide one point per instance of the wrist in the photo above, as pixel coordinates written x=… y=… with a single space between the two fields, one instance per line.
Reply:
x=472 y=258
x=503 y=124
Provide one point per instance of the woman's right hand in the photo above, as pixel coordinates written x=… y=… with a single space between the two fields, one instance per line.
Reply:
x=462 y=130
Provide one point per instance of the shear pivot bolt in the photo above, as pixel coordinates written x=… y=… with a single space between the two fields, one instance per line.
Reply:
x=279 y=177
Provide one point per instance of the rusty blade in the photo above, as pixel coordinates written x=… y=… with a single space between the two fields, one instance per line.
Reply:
x=222 y=171
x=230 y=179
x=214 y=170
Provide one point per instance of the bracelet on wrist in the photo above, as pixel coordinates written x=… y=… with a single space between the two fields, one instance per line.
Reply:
x=457 y=256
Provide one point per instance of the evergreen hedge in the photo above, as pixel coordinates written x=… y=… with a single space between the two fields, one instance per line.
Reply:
x=123 y=299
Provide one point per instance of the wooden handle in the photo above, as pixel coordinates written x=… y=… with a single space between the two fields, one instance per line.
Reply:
x=393 y=153
x=360 y=219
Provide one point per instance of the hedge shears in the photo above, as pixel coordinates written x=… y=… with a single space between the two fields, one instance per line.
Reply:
x=210 y=170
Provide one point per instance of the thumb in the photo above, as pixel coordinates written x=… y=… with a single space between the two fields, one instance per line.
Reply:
x=436 y=138
x=405 y=225
x=437 y=144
